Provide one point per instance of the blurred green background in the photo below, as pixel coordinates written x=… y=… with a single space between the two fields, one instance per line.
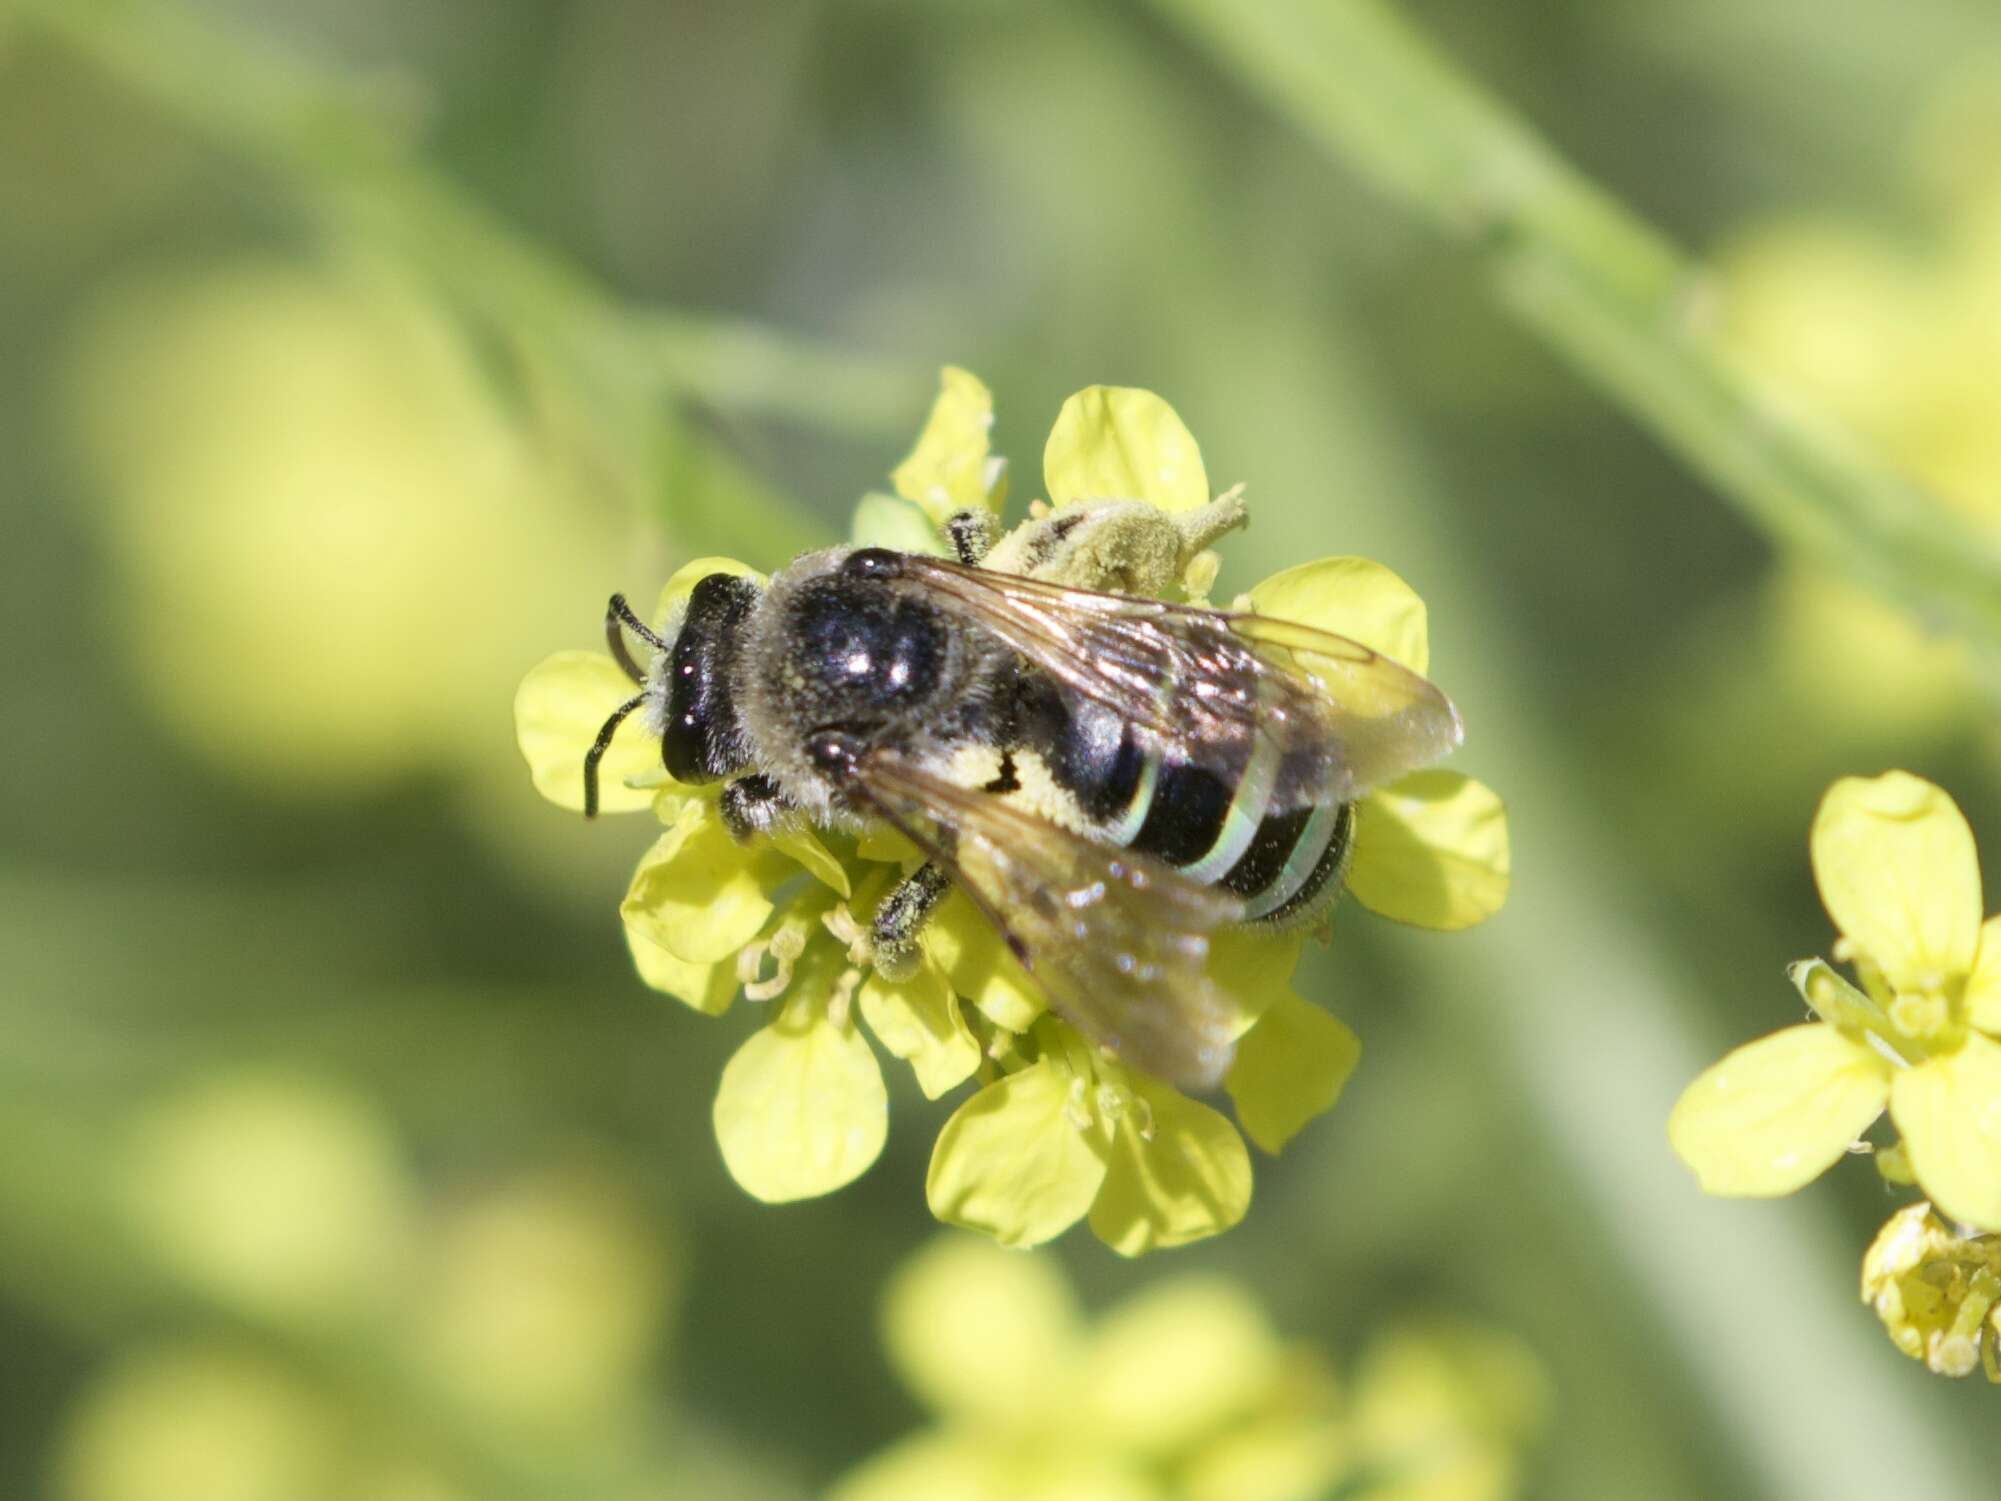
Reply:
x=351 y=352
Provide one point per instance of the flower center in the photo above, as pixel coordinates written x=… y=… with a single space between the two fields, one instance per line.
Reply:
x=1921 y=1014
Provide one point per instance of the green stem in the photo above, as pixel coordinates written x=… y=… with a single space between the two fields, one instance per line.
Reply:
x=1604 y=289
x=349 y=144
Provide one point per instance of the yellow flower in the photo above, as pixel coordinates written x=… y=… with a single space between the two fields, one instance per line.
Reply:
x=321 y=519
x=1898 y=338
x=1937 y=1291
x=1182 y=1393
x=1897 y=870
x=1057 y=1131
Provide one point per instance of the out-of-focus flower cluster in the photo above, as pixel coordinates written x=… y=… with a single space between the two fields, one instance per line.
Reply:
x=323 y=521
x=1182 y=1393
x=1895 y=331
x=365 y=1340
x=1899 y=874
x=1055 y=1131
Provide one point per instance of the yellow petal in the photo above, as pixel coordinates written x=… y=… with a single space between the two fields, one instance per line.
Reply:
x=674 y=593
x=1012 y=1162
x=1898 y=874
x=1289 y=1068
x=941 y=1465
x=1117 y=442
x=891 y=521
x=981 y=968
x=698 y=893
x=1778 y=1112
x=878 y=841
x=801 y=1109
x=950 y=1465
x=1253 y=968
x=708 y=988
x=976 y=1332
x=803 y=845
x=1431 y=849
x=1983 y=989
x=950 y=468
x=559 y=709
x=1445 y=1405
x=1283 y=1456
x=1352 y=597
x=1191 y=1180
x=1949 y=1111
x=919 y=1021
x=1178 y=1360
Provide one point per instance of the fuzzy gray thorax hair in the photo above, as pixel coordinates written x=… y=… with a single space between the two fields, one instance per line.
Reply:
x=877 y=658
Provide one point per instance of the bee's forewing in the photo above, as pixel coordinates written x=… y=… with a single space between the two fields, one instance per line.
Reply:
x=1118 y=942
x=1215 y=689
x=1383 y=718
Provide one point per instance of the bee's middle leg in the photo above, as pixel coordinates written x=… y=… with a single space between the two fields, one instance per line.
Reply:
x=901 y=917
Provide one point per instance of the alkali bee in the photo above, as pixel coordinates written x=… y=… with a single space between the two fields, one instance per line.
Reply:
x=1109 y=777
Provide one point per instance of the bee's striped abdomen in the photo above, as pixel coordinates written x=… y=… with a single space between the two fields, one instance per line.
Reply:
x=1195 y=819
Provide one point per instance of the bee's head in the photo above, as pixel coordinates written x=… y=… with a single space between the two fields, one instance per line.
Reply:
x=692 y=682
x=686 y=688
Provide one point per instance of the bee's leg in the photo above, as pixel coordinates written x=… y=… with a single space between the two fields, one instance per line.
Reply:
x=972 y=533
x=902 y=916
x=750 y=805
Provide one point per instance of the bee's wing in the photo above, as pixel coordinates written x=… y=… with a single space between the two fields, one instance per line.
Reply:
x=1117 y=941
x=1217 y=689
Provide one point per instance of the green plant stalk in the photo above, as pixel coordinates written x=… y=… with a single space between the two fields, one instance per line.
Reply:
x=1604 y=289
x=350 y=145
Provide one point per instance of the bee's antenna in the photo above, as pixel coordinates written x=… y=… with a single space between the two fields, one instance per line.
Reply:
x=618 y=613
x=598 y=746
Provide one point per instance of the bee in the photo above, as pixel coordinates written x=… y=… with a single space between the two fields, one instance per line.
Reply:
x=1109 y=777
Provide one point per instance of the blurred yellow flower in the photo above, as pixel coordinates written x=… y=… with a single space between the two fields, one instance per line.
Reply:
x=1057 y=1131
x=1181 y=1393
x=1937 y=1291
x=1898 y=873
x=542 y=1302
x=206 y=1419
x=274 y=1192
x=1898 y=337
x=333 y=547
x=526 y=1310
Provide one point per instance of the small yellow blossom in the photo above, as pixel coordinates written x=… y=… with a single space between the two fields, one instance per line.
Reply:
x=1894 y=334
x=1897 y=870
x=1937 y=1291
x=320 y=518
x=1055 y=1131
x=1182 y=1393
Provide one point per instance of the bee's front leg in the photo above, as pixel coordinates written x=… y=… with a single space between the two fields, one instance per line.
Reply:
x=750 y=805
x=901 y=917
x=972 y=534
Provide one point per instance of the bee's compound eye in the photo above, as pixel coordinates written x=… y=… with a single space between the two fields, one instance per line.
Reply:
x=872 y=563
x=834 y=752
